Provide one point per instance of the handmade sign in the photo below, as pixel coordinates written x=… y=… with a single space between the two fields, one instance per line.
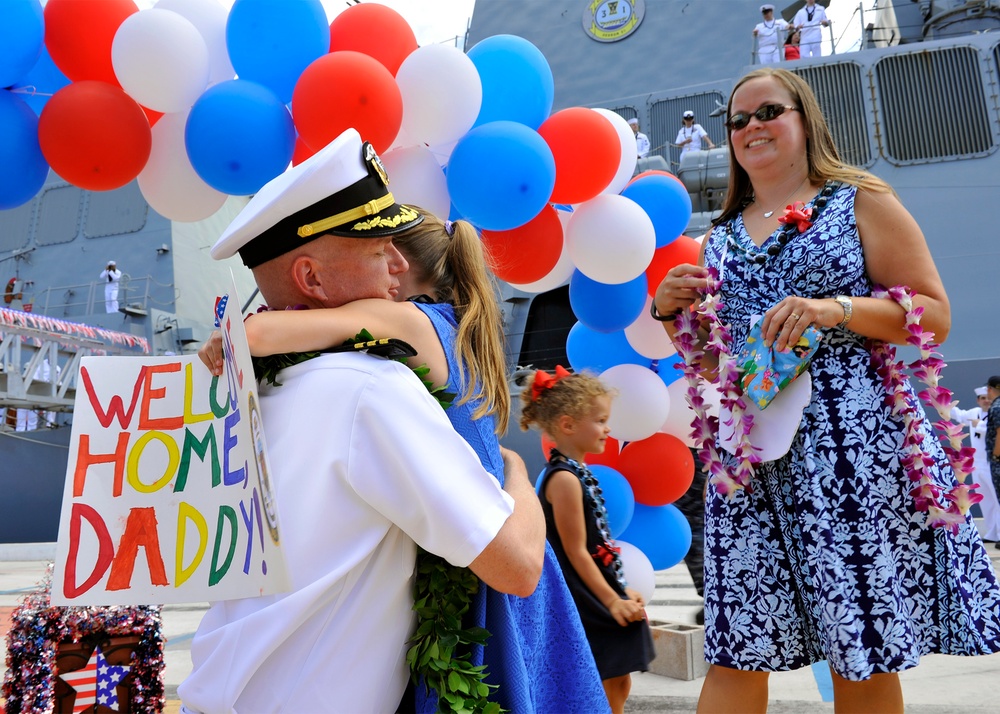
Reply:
x=167 y=495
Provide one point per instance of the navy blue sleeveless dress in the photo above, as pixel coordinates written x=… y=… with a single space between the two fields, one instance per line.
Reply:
x=617 y=650
x=826 y=557
x=538 y=652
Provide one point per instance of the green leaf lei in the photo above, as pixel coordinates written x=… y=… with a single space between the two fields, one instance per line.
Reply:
x=440 y=650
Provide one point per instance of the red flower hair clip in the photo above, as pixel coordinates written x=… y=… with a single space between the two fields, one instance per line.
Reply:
x=544 y=380
x=798 y=214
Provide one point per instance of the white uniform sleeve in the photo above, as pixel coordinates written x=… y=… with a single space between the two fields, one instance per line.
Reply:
x=419 y=473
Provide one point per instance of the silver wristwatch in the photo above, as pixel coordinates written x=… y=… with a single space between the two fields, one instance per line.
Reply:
x=845 y=302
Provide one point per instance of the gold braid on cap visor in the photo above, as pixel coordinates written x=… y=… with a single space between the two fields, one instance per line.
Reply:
x=368 y=209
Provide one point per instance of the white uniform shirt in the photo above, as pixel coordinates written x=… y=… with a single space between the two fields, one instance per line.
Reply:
x=990 y=505
x=365 y=463
x=641 y=145
x=811 y=41
x=695 y=133
x=770 y=40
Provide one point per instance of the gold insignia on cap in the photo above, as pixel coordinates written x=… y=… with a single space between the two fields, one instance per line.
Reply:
x=405 y=215
x=376 y=163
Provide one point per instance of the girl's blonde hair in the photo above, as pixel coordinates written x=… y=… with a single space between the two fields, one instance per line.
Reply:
x=573 y=395
x=450 y=257
x=824 y=161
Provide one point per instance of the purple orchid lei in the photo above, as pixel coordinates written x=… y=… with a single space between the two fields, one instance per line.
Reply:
x=705 y=427
x=949 y=513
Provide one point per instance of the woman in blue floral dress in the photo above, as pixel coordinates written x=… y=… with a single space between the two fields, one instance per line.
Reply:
x=827 y=554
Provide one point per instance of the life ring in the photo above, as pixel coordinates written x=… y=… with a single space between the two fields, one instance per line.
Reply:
x=8 y=293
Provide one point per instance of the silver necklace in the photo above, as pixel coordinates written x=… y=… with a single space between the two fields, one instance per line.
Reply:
x=768 y=214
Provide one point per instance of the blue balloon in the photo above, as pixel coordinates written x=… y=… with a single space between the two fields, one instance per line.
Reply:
x=22 y=33
x=500 y=175
x=40 y=83
x=23 y=169
x=669 y=368
x=239 y=136
x=273 y=42
x=517 y=81
x=604 y=307
x=662 y=533
x=667 y=203
x=598 y=351
x=618 y=497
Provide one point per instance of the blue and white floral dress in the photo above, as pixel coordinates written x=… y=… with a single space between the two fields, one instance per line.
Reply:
x=826 y=556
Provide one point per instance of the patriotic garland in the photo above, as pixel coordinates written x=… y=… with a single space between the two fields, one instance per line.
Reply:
x=38 y=628
x=17 y=318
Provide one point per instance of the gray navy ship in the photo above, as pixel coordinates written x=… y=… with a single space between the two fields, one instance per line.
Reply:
x=916 y=101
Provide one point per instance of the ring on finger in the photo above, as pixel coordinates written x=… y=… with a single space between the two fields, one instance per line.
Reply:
x=795 y=316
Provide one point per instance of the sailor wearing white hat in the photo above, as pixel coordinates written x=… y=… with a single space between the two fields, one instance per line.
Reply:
x=110 y=277
x=641 y=140
x=770 y=34
x=366 y=467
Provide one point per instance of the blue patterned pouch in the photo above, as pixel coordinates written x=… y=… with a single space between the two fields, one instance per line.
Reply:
x=764 y=372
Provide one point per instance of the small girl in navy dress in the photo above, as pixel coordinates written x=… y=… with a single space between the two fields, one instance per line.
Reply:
x=573 y=410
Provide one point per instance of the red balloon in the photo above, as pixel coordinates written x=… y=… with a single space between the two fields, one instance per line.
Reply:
x=94 y=135
x=301 y=151
x=526 y=253
x=587 y=151
x=79 y=34
x=660 y=469
x=651 y=172
x=375 y=30
x=682 y=250
x=343 y=90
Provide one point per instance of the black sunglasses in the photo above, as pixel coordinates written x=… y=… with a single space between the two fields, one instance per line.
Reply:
x=768 y=112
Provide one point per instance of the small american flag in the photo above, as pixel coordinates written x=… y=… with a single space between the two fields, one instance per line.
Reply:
x=95 y=683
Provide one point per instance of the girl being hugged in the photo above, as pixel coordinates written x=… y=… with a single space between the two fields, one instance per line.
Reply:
x=573 y=410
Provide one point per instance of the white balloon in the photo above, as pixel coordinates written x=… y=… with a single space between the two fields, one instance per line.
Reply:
x=417 y=179
x=160 y=59
x=641 y=404
x=647 y=336
x=561 y=272
x=638 y=570
x=680 y=416
x=169 y=183
x=210 y=18
x=629 y=156
x=611 y=239
x=442 y=94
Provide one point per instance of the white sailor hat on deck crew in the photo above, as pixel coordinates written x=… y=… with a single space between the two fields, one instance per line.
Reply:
x=341 y=190
x=980 y=391
x=767 y=7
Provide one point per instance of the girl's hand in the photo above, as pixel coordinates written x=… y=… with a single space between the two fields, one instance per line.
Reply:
x=626 y=611
x=635 y=596
x=785 y=322
x=211 y=354
x=679 y=288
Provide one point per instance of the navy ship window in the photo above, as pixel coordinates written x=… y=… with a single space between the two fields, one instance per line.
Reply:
x=839 y=91
x=117 y=212
x=15 y=227
x=59 y=215
x=934 y=105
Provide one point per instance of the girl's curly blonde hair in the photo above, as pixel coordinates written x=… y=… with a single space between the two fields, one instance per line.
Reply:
x=572 y=395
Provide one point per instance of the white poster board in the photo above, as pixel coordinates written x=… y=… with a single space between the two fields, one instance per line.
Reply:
x=167 y=495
